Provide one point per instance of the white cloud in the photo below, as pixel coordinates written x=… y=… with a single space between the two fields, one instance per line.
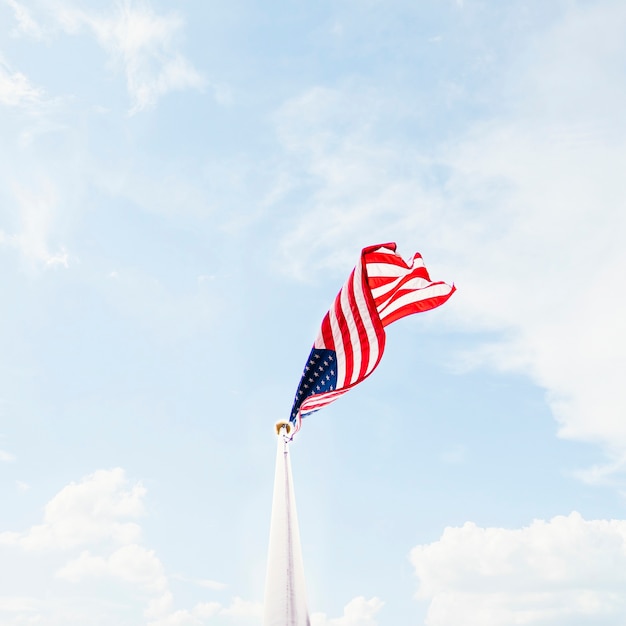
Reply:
x=240 y=608
x=524 y=212
x=566 y=571
x=88 y=521
x=141 y=43
x=205 y=610
x=358 y=612
x=140 y=570
x=16 y=89
x=91 y=511
x=131 y=564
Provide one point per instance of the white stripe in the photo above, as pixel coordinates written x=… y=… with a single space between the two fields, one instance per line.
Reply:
x=327 y=396
x=354 y=334
x=359 y=297
x=377 y=270
x=380 y=291
x=416 y=296
x=339 y=349
x=313 y=403
x=416 y=283
x=377 y=292
x=392 y=269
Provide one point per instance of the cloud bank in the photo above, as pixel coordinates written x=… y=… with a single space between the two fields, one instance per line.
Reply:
x=90 y=535
x=566 y=571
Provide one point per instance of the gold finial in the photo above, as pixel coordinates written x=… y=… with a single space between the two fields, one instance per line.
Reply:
x=283 y=424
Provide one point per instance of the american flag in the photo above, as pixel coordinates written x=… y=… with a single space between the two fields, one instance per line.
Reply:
x=381 y=289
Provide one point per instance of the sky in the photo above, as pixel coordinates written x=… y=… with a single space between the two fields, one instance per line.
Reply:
x=185 y=186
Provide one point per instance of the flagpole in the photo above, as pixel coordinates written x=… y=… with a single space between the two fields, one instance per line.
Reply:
x=285 y=591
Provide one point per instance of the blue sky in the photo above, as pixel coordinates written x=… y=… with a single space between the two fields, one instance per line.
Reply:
x=184 y=188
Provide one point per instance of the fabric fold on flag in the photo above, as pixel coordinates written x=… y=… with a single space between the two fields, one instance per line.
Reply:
x=381 y=289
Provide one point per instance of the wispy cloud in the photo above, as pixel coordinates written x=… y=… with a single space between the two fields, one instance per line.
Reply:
x=142 y=44
x=16 y=89
x=26 y=25
x=604 y=474
x=36 y=216
x=524 y=212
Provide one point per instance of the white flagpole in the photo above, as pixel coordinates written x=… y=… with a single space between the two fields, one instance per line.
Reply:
x=285 y=592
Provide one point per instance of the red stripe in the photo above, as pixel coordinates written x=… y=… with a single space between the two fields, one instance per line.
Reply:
x=345 y=336
x=386 y=257
x=313 y=403
x=418 y=272
x=417 y=307
x=360 y=327
x=327 y=334
x=380 y=281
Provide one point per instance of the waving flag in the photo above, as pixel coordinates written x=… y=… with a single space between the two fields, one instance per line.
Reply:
x=381 y=289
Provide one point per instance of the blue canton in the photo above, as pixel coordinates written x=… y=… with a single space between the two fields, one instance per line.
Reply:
x=320 y=375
